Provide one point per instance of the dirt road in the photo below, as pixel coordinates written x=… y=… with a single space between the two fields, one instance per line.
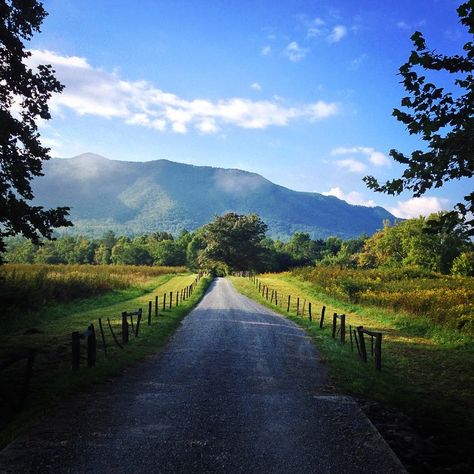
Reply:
x=237 y=389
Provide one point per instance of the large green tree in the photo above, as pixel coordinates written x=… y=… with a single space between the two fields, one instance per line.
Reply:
x=24 y=95
x=443 y=119
x=234 y=240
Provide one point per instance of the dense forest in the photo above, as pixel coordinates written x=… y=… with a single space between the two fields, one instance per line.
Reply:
x=414 y=242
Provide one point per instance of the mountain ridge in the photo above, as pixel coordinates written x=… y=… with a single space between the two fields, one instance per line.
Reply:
x=131 y=197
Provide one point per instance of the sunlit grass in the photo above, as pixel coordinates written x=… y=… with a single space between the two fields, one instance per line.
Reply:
x=53 y=325
x=426 y=373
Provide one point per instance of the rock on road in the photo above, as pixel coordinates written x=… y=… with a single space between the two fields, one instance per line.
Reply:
x=237 y=389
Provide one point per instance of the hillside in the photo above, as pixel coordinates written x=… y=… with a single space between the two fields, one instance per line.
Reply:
x=136 y=197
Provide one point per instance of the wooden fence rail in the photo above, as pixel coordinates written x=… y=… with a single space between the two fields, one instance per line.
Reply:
x=127 y=323
x=338 y=321
x=91 y=347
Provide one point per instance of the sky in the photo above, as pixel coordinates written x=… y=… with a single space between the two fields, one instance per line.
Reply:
x=299 y=91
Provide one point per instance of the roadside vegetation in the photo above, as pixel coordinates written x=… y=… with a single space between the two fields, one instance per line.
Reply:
x=427 y=361
x=47 y=326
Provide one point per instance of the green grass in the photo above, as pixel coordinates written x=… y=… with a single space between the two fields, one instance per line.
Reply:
x=427 y=371
x=53 y=378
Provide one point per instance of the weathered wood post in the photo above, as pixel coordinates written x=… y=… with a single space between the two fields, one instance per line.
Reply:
x=171 y=299
x=156 y=306
x=76 y=350
x=267 y=294
x=139 y=318
x=362 y=348
x=276 y=297
x=164 y=302
x=177 y=298
x=124 y=328
x=288 y=305
x=310 y=316
x=150 y=303
x=321 y=321
x=343 y=328
x=334 y=323
x=298 y=306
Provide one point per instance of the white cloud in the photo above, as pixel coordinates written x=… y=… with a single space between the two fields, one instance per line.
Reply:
x=207 y=126
x=416 y=207
x=266 y=50
x=353 y=166
x=377 y=158
x=353 y=197
x=92 y=91
x=256 y=86
x=295 y=52
x=337 y=33
x=316 y=28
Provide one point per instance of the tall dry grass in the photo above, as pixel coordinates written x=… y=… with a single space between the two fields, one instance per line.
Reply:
x=446 y=300
x=27 y=285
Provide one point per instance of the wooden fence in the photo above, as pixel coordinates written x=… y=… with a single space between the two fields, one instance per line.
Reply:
x=301 y=307
x=130 y=325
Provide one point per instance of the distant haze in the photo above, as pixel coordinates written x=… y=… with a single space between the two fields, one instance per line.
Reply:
x=136 y=197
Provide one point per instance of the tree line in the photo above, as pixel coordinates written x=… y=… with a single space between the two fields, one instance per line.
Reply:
x=235 y=242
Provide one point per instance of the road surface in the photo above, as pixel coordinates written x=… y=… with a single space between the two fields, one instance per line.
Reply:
x=237 y=389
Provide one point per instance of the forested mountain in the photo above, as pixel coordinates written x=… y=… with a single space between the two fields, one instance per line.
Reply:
x=135 y=197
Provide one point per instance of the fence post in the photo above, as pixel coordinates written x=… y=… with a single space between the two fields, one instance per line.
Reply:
x=276 y=297
x=76 y=350
x=164 y=302
x=156 y=306
x=363 y=350
x=310 y=316
x=288 y=305
x=139 y=318
x=343 y=328
x=171 y=299
x=124 y=328
x=298 y=306
x=177 y=298
x=267 y=294
x=334 y=323
x=91 y=347
x=149 y=312
x=321 y=321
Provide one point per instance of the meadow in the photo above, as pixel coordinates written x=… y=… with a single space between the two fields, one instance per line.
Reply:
x=430 y=299
x=34 y=285
x=427 y=355
x=47 y=326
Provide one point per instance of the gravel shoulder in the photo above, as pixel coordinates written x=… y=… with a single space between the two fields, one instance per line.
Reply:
x=237 y=389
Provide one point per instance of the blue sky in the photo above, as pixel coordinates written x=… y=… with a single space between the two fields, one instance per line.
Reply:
x=300 y=92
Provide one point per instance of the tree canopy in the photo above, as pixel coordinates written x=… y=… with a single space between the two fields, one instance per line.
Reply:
x=443 y=119
x=235 y=241
x=24 y=96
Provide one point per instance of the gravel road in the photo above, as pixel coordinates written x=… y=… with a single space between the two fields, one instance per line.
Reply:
x=237 y=389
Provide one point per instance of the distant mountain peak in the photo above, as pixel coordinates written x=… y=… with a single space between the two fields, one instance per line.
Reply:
x=131 y=197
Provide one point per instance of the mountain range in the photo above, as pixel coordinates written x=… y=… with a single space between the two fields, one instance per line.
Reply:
x=135 y=197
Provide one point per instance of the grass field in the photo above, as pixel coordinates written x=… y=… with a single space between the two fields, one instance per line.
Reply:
x=427 y=374
x=48 y=330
